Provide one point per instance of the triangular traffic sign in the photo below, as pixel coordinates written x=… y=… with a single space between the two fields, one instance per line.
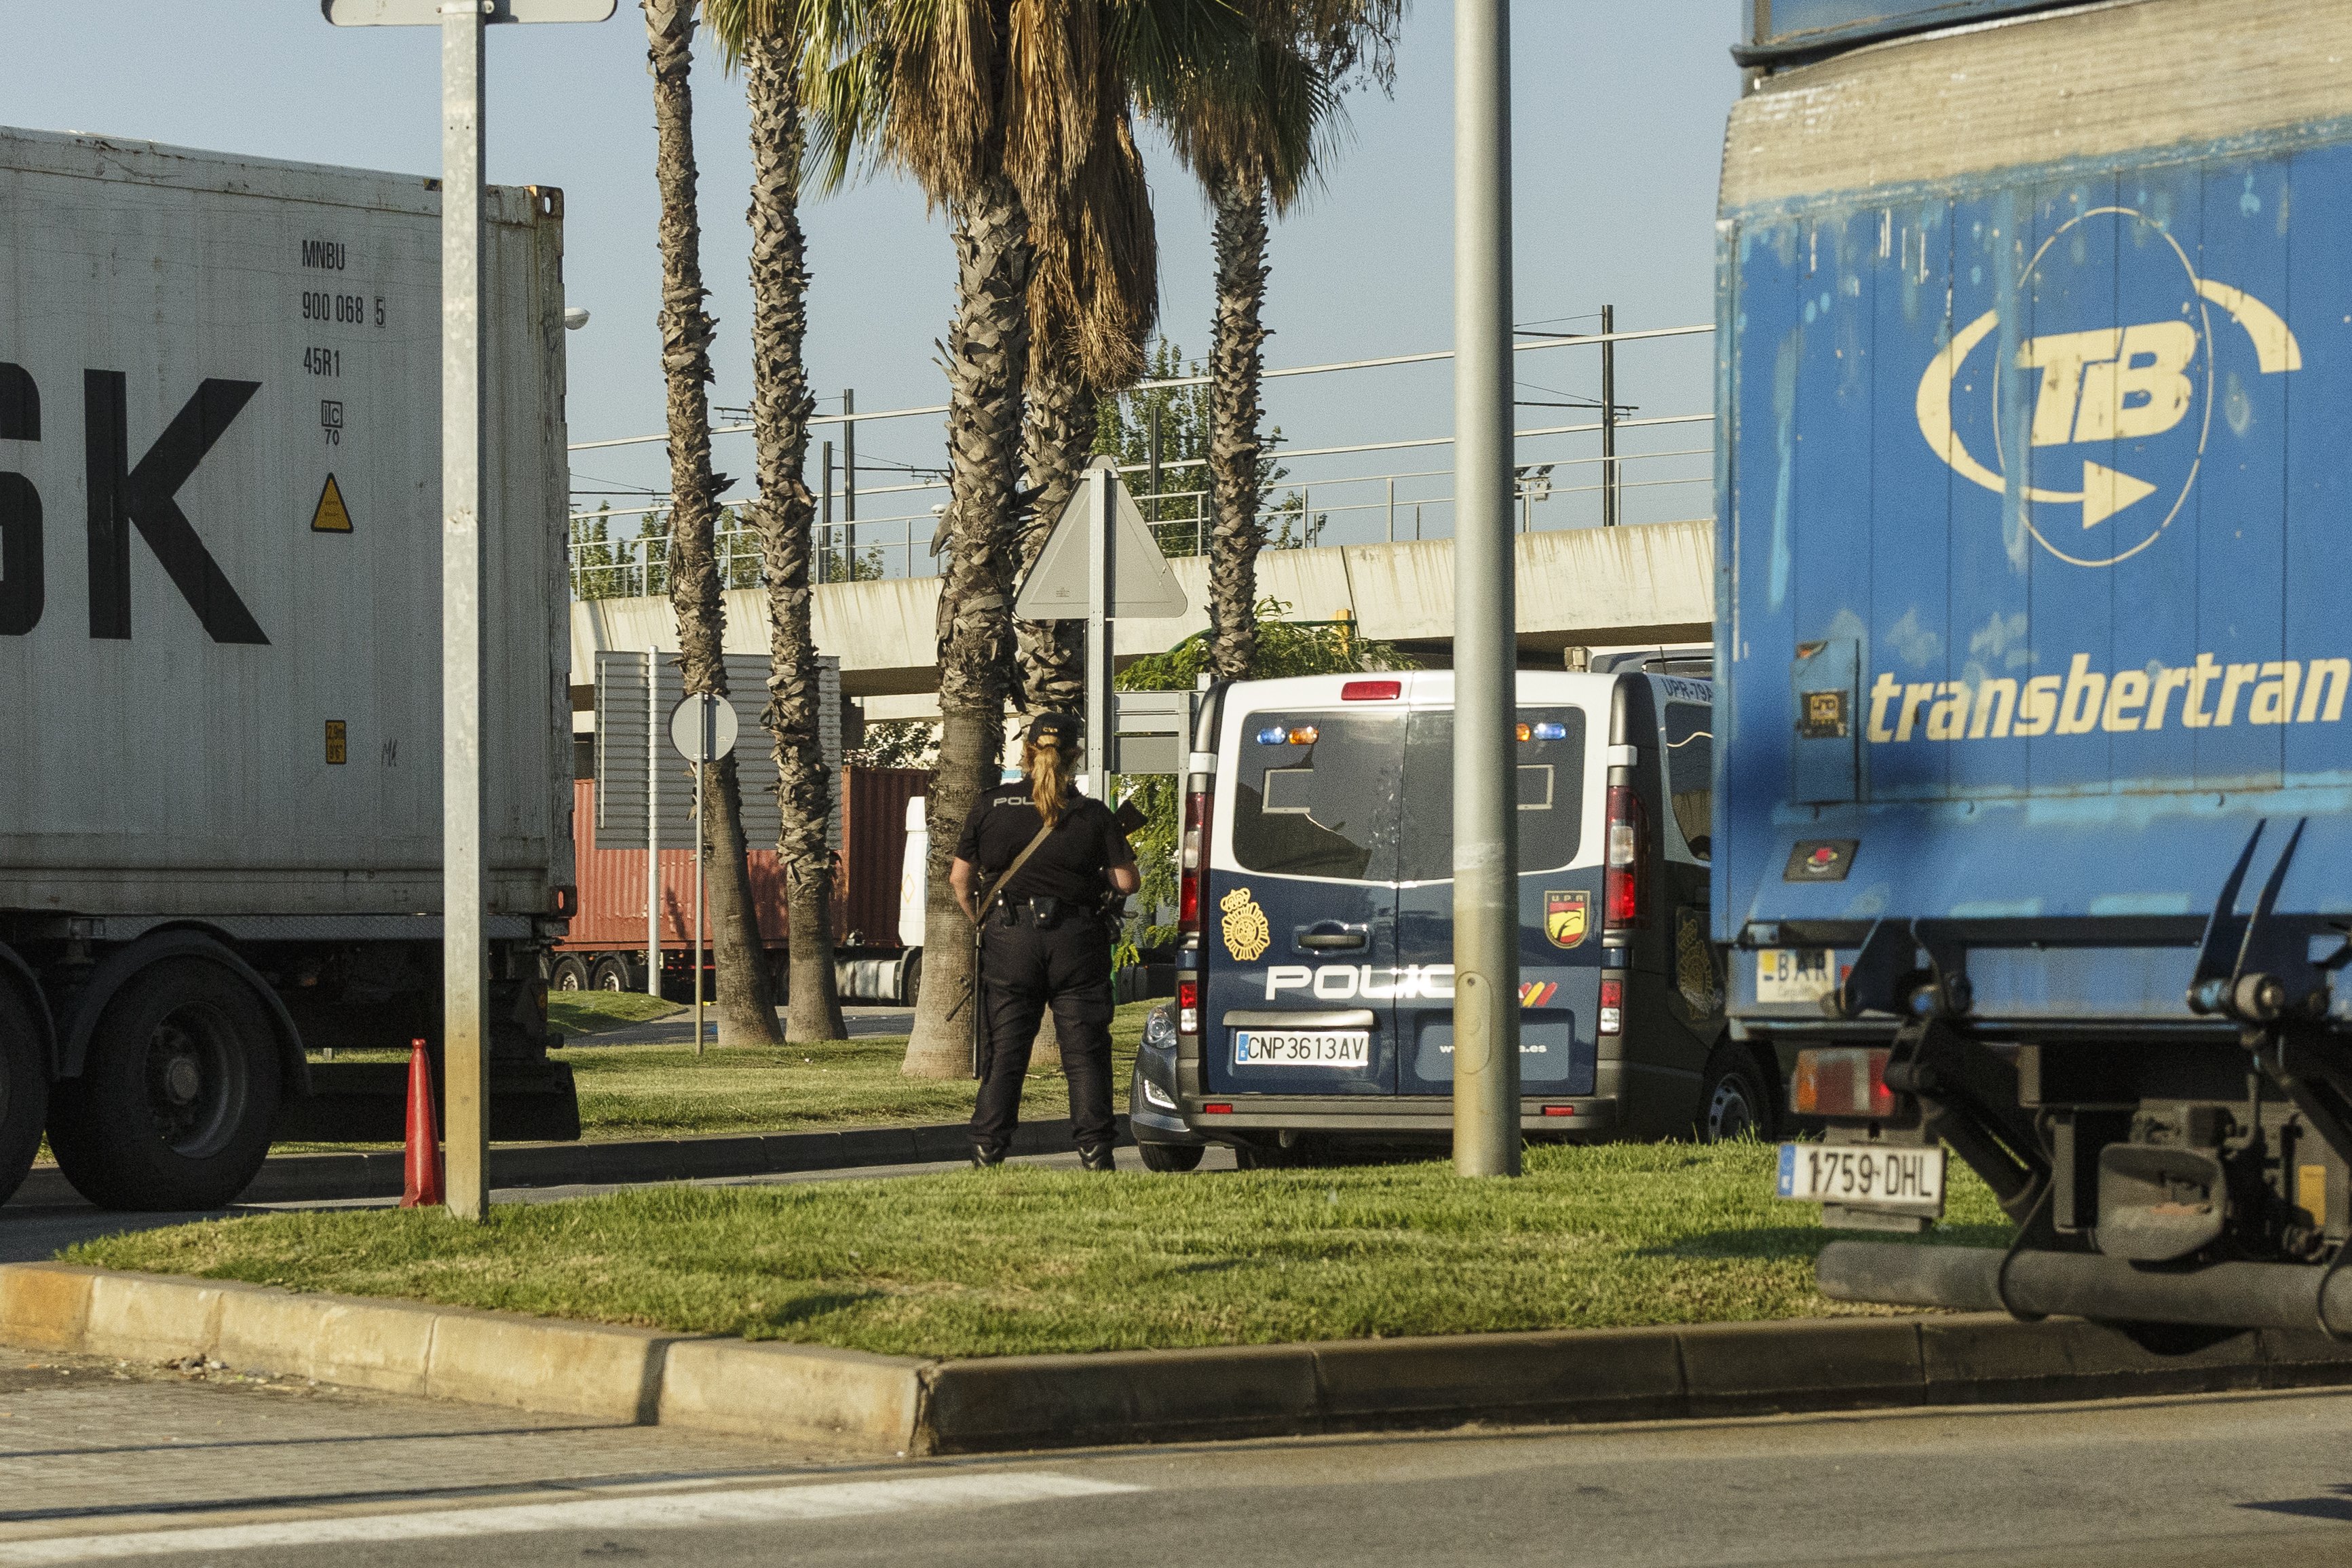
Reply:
x=1141 y=584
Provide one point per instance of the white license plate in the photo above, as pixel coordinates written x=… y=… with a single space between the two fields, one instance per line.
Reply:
x=1793 y=974
x=1322 y=1048
x=1894 y=1178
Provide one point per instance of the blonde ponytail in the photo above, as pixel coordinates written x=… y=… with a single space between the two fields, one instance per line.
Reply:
x=1049 y=775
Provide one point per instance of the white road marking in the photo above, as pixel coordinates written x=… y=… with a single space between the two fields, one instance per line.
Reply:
x=837 y=1499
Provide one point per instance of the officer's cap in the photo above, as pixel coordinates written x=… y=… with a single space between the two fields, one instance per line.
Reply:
x=1058 y=730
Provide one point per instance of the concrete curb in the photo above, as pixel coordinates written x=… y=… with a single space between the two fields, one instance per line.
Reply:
x=901 y=1405
x=325 y=1178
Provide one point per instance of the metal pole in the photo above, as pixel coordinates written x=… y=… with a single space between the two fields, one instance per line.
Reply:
x=824 y=534
x=849 y=471
x=1155 y=459
x=1608 y=417
x=1486 y=825
x=464 y=1083
x=1392 y=511
x=703 y=748
x=1099 y=479
x=653 y=822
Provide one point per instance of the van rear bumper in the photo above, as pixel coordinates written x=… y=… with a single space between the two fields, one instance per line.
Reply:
x=1590 y=1115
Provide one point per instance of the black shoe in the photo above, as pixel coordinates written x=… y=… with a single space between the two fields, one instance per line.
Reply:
x=1097 y=1158
x=982 y=1158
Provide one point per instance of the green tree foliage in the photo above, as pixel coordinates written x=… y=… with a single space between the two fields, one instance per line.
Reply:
x=1178 y=514
x=1283 y=648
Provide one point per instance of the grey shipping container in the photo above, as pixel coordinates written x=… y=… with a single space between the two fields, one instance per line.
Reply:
x=220 y=647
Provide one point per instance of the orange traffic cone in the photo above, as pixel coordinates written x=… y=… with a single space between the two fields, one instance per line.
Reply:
x=422 y=1188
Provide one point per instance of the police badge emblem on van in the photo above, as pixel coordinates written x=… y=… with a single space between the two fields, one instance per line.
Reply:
x=1568 y=916
x=1247 y=935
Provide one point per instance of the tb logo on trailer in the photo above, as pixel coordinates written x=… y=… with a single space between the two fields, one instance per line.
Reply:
x=124 y=496
x=2102 y=426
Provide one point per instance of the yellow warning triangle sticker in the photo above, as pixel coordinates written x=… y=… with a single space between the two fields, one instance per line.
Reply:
x=332 y=516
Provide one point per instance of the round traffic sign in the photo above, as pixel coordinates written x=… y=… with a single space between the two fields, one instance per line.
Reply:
x=702 y=727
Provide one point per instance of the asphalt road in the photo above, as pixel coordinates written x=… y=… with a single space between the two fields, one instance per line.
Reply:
x=107 y=1463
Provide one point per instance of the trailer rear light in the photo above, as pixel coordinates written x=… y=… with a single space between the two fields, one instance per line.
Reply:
x=1371 y=691
x=1841 y=1081
x=1191 y=858
x=1559 y=1109
x=566 y=899
x=1612 y=1007
x=1216 y=1108
x=1620 y=886
x=1188 y=1007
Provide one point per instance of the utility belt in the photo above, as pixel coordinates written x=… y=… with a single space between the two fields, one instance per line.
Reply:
x=1044 y=912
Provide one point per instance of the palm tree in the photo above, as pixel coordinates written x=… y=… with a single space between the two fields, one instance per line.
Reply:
x=1264 y=152
x=747 y=1013
x=1093 y=299
x=997 y=108
x=764 y=35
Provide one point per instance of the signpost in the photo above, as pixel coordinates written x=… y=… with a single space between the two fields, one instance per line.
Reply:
x=1099 y=563
x=463 y=1061
x=702 y=727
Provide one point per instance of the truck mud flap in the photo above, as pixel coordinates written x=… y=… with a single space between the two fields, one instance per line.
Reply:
x=2087 y=1285
x=367 y=1103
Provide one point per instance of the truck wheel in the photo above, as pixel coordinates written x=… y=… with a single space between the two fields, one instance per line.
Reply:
x=569 y=973
x=611 y=975
x=911 y=980
x=173 y=1105
x=1733 y=1102
x=24 y=1092
x=1170 y=1156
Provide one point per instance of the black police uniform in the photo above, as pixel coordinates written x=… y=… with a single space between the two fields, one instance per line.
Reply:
x=1046 y=944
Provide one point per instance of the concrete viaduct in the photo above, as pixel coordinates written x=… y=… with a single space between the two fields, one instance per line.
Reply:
x=1639 y=584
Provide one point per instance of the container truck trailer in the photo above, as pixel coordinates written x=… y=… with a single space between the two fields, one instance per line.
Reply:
x=607 y=946
x=2033 y=806
x=220 y=837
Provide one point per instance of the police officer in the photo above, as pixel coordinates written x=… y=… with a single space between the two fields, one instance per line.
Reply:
x=1046 y=942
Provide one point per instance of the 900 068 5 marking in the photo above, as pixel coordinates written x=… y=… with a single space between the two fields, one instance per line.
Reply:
x=1903 y=1180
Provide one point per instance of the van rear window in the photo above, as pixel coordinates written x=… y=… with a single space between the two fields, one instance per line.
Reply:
x=1690 y=772
x=1550 y=789
x=1317 y=794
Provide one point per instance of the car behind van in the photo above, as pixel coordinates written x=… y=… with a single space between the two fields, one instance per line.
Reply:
x=1315 y=980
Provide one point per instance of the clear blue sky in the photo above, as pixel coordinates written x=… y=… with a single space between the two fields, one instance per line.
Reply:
x=1618 y=121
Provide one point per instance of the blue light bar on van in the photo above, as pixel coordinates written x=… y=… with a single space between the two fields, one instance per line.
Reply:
x=1295 y=735
x=1551 y=732
x=1273 y=735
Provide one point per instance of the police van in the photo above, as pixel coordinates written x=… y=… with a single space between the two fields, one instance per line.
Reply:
x=1315 y=979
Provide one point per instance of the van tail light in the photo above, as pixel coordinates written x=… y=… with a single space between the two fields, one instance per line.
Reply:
x=1621 y=887
x=1843 y=1081
x=1613 y=1005
x=1371 y=691
x=1188 y=1007
x=1191 y=860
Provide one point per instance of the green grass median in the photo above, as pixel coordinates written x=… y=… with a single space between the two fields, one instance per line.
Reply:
x=1028 y=1259
x=665 y=1090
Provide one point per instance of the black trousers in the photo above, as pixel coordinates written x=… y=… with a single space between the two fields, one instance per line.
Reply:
x=1023 y=971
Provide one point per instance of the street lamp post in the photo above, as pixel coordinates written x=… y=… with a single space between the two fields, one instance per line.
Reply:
x=1486 y=643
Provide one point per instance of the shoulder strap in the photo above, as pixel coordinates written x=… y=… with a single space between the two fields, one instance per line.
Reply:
x=1019 y=860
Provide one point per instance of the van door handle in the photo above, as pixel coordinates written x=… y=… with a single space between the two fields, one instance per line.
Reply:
x=1328 y=939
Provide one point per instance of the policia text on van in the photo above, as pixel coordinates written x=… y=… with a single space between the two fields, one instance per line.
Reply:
x=1315 y=979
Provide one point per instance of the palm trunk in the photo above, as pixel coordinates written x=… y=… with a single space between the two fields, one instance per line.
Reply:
x=781 y=406
x=988 y=352
x=1058 y=433
x=1236 y=361
x=747 y=1015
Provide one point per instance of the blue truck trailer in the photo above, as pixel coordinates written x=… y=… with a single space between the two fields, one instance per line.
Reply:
x=2033 y=807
